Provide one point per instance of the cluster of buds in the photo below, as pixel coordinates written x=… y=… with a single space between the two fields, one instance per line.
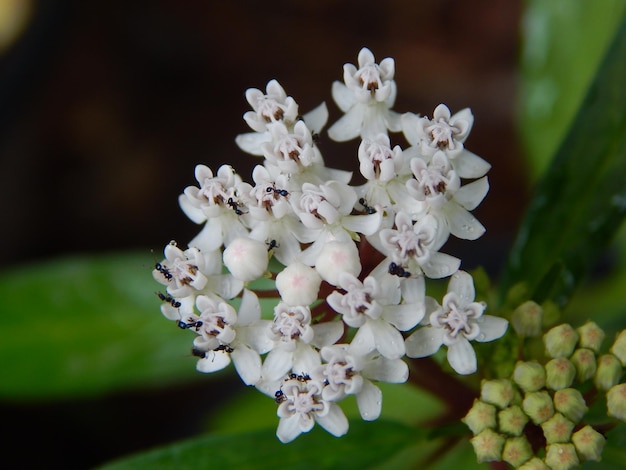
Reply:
x=341 y=269
x=534 y=420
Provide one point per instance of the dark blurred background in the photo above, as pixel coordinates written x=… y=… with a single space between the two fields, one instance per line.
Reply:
x=107 y=106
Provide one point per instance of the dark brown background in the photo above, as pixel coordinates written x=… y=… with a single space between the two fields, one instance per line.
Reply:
x=107 y=106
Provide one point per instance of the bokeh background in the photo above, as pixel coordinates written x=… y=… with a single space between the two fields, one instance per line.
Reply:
x=107 y=106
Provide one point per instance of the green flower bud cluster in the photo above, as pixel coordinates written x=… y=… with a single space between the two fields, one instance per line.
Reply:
x=545 y=397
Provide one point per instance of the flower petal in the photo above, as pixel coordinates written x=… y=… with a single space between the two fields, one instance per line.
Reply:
x=277 y=364
x=327 y=333
x=288 y=428
x=348 y=126
x=470 y=165
x=343 y=97
x=213 y=361
x=363 y=342
x=491 y=328
x=250 y=142
x=471 y=194
x=462 y=284
x=247 y=363
x=389 y=341
x=425 y=341
x=370 y=401
x=404 y=316
x=462 y=224
x=386 y=370
x=440 y=265
x=335 y=422
x=316 y=119
x=462 y=357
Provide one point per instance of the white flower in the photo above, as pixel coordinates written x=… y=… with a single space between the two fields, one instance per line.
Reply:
x=454 y=324
x=296 y=341
x=373 y=307
x=214 y=202
x=302 y=405
x=247 y=338
x=346 y=373
x=291 y=151
x=439 y=188
x=415 y=246
x=181 y=271
x=366 y=99
x=378 y=161
x=446 y=133
x=338 y=257
x=246 y=258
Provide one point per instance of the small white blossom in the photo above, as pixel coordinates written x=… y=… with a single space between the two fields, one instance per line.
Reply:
x=366 y=98
x=454 y=324
x=246 y=258
x=298 y=284
x=336 y=258
x=302 y=405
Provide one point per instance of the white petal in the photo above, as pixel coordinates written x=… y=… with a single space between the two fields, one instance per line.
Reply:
x=440 y=265
x=404 y=316
x=316 y=119
x=343 y=97
x=409 y=123
x=389 y=341
x=327 y=333
x=370 y=401
x=348 y=126
x=277 y=364
x=247 y=363
x=213 y=361
x=256 y=336
x=386 y=370
x=194 y=213
x=335 y=422
x=288 y=429
x=250 y=142
x=305 y=359
x=250 y=309
x=491 y=328
x=363 y=342
x=365 y=224
x=426 y=341
x=462 y=284
x=413 y=289
x=462 y=224
x=470 y=165
x=462 y=357
x=471 y=194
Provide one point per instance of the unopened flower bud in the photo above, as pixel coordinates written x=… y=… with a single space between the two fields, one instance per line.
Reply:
x=512 y=420
x=590 y=336
x=481 y=416
x=488 y=446
x=562 y=456
x=526 y=319
x=619 y=347
x=589 y=443
x=570 y=403
x=585 y=362
x=516 y=451
x=608 y=373
x=560 y=373
x=538 y=406
x=337 y=257
x=557 y=429
x=529 y=376
x=246 y=259
x=298 y=284
x=498 y=392
x=560 y=341
x=534 y=464
x=616 y=402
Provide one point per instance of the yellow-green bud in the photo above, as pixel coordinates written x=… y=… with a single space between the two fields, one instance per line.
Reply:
x=585 y=362
x=608 y=373
x=560 y=341
x=488 y=446
x=589 y=443
x=557 y=429
x=526 y=319
x=570 y=403
x=560 y=373
x=619 y=347
x=481 y=416
x=498 y=392
x=590 y=336
x=512 y=420
x=529 y=376
x=534 y=464
x=517 y=450
x=562 y=456
x=616 y=402
x=538 y=406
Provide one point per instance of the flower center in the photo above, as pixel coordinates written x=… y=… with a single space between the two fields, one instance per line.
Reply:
x=369 y=77
x=442 y=134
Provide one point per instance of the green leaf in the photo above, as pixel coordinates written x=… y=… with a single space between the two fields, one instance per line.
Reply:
x=564 y=41
x=581 y=201
x=365 y=446
x=85 y=326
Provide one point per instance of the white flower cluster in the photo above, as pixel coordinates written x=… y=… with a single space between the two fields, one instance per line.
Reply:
x=335 y=330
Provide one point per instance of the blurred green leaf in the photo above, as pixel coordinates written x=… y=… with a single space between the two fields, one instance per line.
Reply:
x=581 y=201
x=564 y=41
x=366 y=445
x=87 y=325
